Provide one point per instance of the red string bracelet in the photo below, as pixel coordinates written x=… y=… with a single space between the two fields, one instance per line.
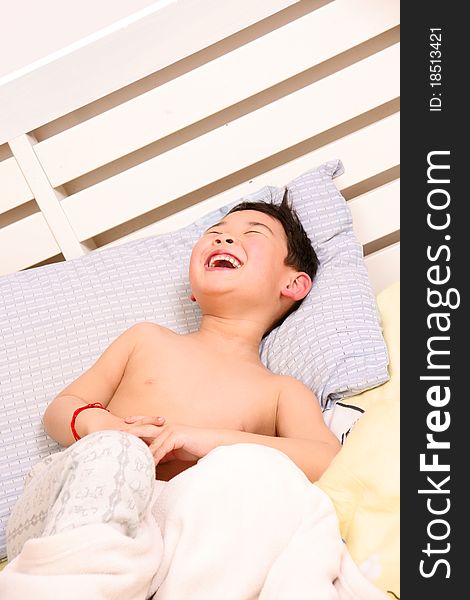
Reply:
x=77 y=412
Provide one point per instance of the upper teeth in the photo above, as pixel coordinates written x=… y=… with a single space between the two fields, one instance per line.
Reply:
x=231 y=259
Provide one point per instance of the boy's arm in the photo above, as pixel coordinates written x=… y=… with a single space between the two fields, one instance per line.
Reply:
x=97 y=384
x=302 y=429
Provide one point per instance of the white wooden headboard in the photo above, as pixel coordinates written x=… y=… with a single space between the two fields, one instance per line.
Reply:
x=191 y=104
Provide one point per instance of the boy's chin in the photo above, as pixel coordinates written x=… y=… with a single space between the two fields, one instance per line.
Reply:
x=216 y=292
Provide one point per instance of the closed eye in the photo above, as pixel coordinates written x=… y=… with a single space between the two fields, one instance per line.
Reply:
x=220 y=233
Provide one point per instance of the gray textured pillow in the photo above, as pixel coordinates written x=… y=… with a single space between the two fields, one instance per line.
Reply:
x=333 y=343
x=56 y=320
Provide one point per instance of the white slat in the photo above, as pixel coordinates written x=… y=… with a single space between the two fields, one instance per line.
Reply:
x=46 y=197
x=162 y=35
x=359 y=166
x=214 y=86
x=376 y=213
x=237 y=145
x=26 y=243
x=383 y=267
x=14 y=189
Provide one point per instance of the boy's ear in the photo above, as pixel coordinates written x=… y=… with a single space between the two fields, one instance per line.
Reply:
x=298 y=287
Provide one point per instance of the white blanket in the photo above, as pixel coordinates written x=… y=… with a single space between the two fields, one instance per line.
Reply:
x=244 y=523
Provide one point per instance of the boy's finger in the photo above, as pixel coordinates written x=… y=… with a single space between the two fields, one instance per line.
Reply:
x=133 y=418
x=145 y=420
x=144 y=431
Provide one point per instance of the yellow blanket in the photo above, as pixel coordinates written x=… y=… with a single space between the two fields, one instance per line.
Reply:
x=363 y=481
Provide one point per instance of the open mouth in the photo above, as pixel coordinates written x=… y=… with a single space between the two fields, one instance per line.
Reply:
x=223 y=261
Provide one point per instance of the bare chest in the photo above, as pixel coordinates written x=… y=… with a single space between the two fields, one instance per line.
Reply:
x=198 y=390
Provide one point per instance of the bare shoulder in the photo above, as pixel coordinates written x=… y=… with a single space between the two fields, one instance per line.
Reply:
x=289 y=385
x=298 y=411
x=144 y=331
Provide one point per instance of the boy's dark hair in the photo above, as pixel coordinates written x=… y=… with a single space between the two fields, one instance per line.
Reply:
x=300 y=253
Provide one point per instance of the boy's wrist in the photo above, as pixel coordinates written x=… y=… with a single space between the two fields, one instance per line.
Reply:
x=93 y=419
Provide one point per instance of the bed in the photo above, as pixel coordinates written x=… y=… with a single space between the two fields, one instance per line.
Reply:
x=243 y=96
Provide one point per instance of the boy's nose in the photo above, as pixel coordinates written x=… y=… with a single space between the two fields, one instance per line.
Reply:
x=228 y=240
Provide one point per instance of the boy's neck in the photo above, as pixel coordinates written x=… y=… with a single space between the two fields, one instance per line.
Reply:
x=236 y=337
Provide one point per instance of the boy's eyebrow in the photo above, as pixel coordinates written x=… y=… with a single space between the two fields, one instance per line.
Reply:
x=251 y=223
x=216 y=225
x=254 y=223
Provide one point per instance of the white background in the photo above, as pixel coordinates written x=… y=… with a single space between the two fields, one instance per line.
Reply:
x=32 y=29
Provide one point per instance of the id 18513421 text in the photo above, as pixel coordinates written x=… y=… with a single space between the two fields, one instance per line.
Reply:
x=435 y=69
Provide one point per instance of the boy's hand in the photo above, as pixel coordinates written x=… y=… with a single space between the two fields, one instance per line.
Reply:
x=172 y=441
x=143 y=426
x=89 y=421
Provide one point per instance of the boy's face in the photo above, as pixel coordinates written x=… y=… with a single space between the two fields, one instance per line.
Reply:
x=244 y=255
